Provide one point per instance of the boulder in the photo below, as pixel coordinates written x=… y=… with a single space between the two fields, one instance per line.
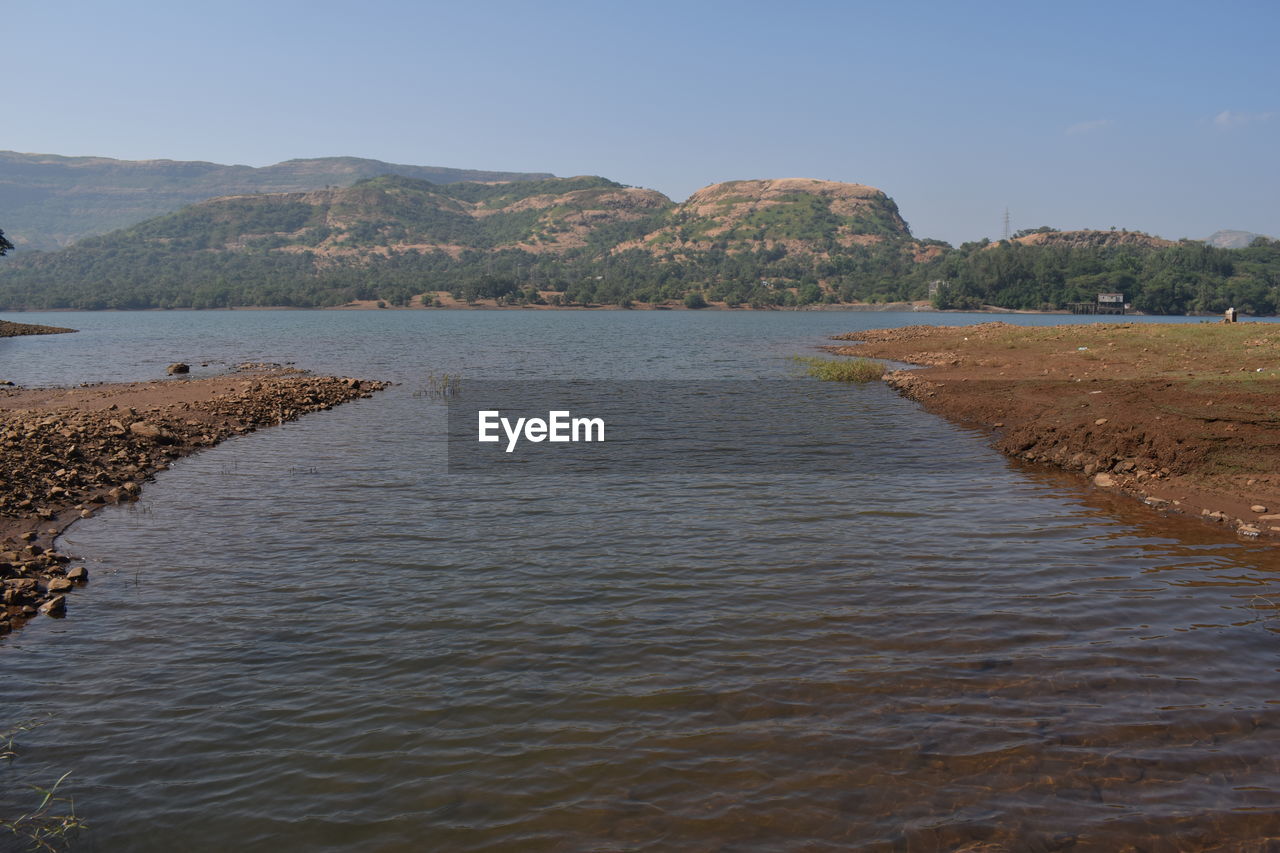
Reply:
x=178 y=367
x=158 y=434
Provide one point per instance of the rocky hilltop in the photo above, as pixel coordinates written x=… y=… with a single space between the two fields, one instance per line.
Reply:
x=796 y=213
x=1229 y=239
x=1093 y=239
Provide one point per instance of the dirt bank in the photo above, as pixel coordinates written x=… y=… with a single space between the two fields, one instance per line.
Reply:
x=65 y=452
x=1183 y=417
x=13 y=330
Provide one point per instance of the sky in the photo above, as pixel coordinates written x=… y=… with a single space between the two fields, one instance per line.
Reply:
x=1162 y=117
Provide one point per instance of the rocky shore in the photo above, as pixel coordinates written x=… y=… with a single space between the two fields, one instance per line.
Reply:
x=13 y=330
x=66 y=452
x=1182 y=417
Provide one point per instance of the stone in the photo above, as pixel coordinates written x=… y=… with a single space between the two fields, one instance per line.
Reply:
x=60 y=585
x=1100 y=422
x=55 y=606
x=1103 y=481
x=160 y=435
x=79 y=574
x=1248 y=531
x=178 y=367
x=1257 y=508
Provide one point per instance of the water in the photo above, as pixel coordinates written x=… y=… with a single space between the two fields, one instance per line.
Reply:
x=315 y=638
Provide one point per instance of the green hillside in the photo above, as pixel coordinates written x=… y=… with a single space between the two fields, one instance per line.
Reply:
x=49 y=201
x=592 y=241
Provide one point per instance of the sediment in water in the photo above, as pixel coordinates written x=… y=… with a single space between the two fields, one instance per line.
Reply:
x=1180 y=416
x=65 y=452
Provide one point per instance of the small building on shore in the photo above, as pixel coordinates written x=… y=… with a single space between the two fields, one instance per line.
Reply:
x=1106 y=303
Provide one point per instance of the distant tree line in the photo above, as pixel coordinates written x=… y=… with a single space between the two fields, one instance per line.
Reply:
x=182 y=261
x=1187 y=278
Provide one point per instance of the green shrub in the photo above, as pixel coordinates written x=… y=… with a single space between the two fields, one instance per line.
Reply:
x=842 y=369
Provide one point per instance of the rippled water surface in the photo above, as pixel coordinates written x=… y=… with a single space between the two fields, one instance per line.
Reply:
x=315 y=638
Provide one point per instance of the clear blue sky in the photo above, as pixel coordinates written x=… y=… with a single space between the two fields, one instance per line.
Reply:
x=1163 y=117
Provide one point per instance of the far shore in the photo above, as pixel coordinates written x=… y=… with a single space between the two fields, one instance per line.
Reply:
x=67 y=452
x=449 y=304
x=1179 y=416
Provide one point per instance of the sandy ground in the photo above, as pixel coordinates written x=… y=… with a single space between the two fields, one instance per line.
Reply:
x=65 y=452
x=1185 y=418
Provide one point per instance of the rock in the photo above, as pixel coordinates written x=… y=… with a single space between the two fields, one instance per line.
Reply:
x=1100 y=422
x=79 y=574
x=160 y=435
x=60 y=585
x=1156 y=502
x=1248 y=531
x=178 y=367
x=55 y=606
x=1103 y=481
x=1257 y=508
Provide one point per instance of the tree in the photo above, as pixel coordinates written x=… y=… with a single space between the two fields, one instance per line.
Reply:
x=5 y=245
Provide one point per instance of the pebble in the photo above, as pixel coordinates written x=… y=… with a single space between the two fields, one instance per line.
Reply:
x=1257 y=508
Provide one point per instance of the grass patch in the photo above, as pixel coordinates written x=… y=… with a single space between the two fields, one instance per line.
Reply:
x=842 y=369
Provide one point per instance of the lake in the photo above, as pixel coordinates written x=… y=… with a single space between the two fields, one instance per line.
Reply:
x=321 y=637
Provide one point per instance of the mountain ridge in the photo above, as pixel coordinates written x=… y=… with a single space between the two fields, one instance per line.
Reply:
x=50 y=201
x=588 y=240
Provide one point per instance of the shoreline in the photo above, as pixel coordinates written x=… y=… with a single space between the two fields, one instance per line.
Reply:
x=1179 y=417
x=10 y=329
x=922 y=306
x=67 y=452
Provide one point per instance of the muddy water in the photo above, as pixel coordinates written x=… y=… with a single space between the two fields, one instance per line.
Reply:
x=316 y=638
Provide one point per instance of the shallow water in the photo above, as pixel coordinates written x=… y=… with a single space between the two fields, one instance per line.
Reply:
x=316 y=638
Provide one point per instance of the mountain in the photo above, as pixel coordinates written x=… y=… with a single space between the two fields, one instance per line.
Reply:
x=392 y=215
x=392 y=238
x=49 y=201
x=1227 y=239
x=588 y=240
x=796 y=213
